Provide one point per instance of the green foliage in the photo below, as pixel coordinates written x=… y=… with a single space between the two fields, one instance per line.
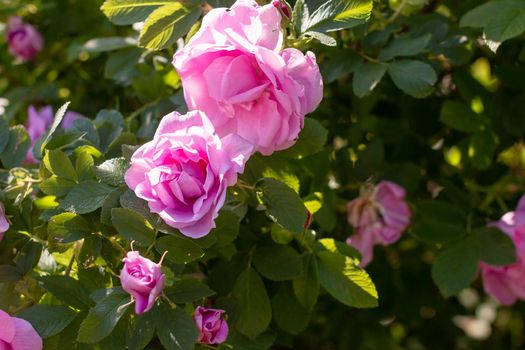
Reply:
x=426 y=94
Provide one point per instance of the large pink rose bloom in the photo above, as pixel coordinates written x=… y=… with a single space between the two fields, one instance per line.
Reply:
x=17 y=334
x=4 y=224
x=507 y=283
x=212 y=327
x=24 y=41
x=143 y=280
x=234 y=71
x=183 y=173
x=379 y=216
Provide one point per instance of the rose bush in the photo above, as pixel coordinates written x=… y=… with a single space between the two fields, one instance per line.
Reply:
x=261 y=175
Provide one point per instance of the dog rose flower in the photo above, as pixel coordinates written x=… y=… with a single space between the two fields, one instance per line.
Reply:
x=507 y=283
x=4 y=224
x=143 y=280
x=18 y=334
x=233 y=70
x=213 y=329
x=183 y=173
x=379 y=216
x=24 y=41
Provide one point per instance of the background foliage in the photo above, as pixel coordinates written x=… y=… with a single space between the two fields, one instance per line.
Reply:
x=428 y=94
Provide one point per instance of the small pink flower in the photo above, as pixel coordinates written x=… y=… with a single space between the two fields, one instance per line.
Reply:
x=379 y=216
x=234 y=71
x=18 y=334
x=4 y=224
x=507 y=283
x=25 y=42
x=37 y=124
x=143 y=280
x=184 y=172
x=282 y=6
x=213 y=329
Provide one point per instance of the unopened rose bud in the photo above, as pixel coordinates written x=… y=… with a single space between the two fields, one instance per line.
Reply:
x=283 y=7
x=143 y=280
x=212 y=327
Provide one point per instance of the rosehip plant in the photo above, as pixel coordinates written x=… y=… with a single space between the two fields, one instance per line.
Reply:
x=254 y=175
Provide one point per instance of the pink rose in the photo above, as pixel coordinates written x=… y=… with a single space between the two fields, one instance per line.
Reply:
x=213 y=329
x=183 y=173
x=143 y=280
x=507 y=283
x=25 y=42
x=36 y=125
x=4 y=224
x=379 y=216
x=232 y=69
x=18 y=334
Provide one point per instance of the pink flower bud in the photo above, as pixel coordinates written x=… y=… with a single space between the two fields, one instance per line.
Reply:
x=25 y=42
x=4 y=224
x=507 y=283
x=18 y=334
x=379 y=216
x=213 y=329
x=143 y=280
x=284 y=9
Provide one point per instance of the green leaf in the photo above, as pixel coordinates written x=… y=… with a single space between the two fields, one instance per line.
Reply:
x=48 y=320
x=4 y=134
x=324 y=39
x=367 y=76
x=167 y=24
x=253 y=311
x=54 y=186
x=176 y=329
x=15 y=151
x=86 y=197
x=288 y=313
x=143 y=331
x=261 y=342
x=68 y=227
x=58 y=163
x=335 y=15
x=119 y=65
x=108 y=44
x=481 y=15
x=278 y=263
x=132 y=226
x=342 y=63
x=102 y=319
x=280 y=235
x=180 y=250
x=456 y=266
x=334 y=246
x=345 y=280
x=415 y=78
x=459 y=116
x=437 y=232
x=311 y=140
x=83 y=165
x=282 y=204
x=271 y=167
x=405 y=46
x=67 y=289
x=495 y=247
x=112 y=171
x=507 y=22
x=124 y=12
x=226 y=228
x=188 y=290
x=59 y=115
x=306 y=288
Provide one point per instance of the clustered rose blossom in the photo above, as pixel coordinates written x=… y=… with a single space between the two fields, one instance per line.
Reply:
x=213 y=329
x=234 y=70
x=17 y=334
x=379 y=216
x=4 y=224
x=143 y=280
x=184 y=172
x=39 y=121
x=24 y=41
x=507 y=283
